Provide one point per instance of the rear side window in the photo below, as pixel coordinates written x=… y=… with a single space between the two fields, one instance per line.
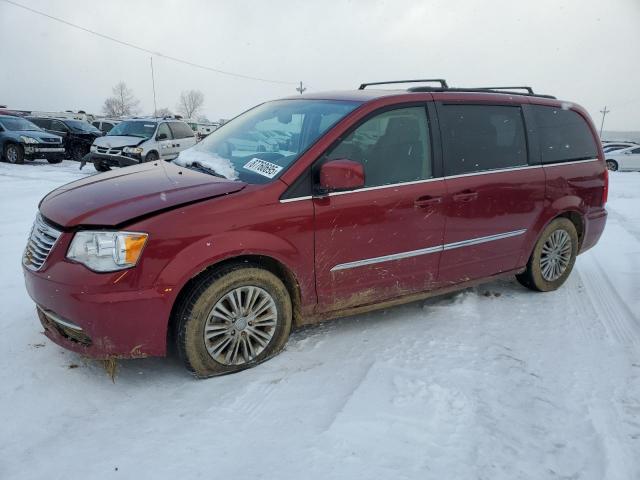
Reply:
x=482 y=137
x=42 y=123
x=181 y=130
x=564 y=135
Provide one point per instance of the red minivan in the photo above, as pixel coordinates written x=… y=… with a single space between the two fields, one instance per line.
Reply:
x=315 y=207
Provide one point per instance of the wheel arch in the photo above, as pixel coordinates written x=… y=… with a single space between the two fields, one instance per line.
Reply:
x=571 y=213
x=265 y=262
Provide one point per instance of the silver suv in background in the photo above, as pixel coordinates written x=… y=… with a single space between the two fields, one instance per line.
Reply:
x=140 y=140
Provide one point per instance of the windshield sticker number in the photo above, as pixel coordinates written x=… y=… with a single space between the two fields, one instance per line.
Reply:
x=149 y=125
x=262 y=167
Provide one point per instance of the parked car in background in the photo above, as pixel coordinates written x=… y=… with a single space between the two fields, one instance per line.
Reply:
x=22 y=140
x=77 y=135
x=381 y=197
x=140 y=140
x=625 y=159
x=612 y=146
x=105 y=126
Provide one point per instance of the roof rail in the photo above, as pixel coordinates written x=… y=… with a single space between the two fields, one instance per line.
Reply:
x=503 y=90
x=441 y=81
x=528 y=89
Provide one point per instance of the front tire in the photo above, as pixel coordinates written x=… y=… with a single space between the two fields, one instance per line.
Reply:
x=14 y=154
x=151 y=157
x=553 y=257
x=612 y=165
x=101 y=166
x=232 y=319
x=55 y=160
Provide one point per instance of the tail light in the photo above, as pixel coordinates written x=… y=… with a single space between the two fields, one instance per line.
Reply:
x=605 y=191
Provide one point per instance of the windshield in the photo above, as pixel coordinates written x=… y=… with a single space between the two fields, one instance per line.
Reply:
x=18 y=124
x=134 y=129
x=260 y=144
x=82 y=126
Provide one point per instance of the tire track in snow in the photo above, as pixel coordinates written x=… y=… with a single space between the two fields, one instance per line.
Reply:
x=612 y=311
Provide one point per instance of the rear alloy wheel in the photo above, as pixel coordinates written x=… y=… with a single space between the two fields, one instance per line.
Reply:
x=612 y=165
x=232 y=319
x=14 y=153
x=553 y=257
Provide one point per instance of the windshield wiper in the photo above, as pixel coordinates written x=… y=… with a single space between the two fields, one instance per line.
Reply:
x=204 y=169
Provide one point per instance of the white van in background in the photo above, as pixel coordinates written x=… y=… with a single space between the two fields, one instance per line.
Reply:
x=140 y=140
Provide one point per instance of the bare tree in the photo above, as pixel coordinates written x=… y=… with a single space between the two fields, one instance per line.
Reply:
x=122 y=103
x=190 y=103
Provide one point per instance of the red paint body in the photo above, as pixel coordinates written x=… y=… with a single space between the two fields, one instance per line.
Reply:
x=196 y=221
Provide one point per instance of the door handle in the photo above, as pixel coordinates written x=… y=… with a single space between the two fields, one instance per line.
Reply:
x=427 y=200
x=465 y=196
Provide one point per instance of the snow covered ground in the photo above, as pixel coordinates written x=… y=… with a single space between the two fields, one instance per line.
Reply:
x=494 y=382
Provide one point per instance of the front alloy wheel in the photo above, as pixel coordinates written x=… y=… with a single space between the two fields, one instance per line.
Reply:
x=232 y=318
x=241 y=325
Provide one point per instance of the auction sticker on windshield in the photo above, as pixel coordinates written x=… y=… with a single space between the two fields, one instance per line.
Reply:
x=262 y=167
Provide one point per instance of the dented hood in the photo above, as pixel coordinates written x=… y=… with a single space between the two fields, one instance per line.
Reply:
x=115 y=197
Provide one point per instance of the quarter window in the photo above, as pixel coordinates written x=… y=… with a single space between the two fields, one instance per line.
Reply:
x=393 y=147
x=482 y=137
x=564 y=135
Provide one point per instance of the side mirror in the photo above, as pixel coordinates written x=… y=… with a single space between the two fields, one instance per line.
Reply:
x=341 y=174
x=161 y=136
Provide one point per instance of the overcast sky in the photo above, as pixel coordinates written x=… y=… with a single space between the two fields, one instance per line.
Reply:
x=585 y=51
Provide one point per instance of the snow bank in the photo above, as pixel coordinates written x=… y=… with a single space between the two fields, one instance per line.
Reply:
x=211 y=160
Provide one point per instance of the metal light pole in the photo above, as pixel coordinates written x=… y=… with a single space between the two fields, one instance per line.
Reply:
x=604 y=114
x=153 y=83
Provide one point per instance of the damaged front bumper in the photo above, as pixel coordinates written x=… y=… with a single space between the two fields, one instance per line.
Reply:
x=123 y=160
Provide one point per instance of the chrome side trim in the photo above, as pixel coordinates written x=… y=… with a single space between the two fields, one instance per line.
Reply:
x=296 y=199
x=391 y=185
x=428 y=250
x=498 y=170
x=559 y=164
x=478 y=240
x=387 y=258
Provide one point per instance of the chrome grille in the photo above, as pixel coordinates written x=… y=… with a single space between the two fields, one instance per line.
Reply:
x=41 y=241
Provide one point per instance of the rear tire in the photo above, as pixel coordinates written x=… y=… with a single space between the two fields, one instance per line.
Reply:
x=252 y=331
x=14 y=154
x=612 y=165
x=553 y=257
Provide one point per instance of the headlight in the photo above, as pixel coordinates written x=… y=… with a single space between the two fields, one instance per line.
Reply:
x=132 y=149
x=107 y=251
x=29 y=139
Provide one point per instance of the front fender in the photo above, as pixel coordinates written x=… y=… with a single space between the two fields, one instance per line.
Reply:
x=208 y=251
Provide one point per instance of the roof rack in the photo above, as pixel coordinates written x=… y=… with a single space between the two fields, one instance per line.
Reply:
x=502 y=90
x=441 y=81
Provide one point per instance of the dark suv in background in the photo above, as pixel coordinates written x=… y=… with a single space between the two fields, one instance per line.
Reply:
x=21 y=140
x=77 y=135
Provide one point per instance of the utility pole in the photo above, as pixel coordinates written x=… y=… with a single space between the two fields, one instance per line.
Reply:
x=153 y=83
x=604 y=114
x=301 y=89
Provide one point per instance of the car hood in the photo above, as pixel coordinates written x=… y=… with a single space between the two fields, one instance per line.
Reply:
x=118 y=141
x=39 y=134
x=113 y=198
